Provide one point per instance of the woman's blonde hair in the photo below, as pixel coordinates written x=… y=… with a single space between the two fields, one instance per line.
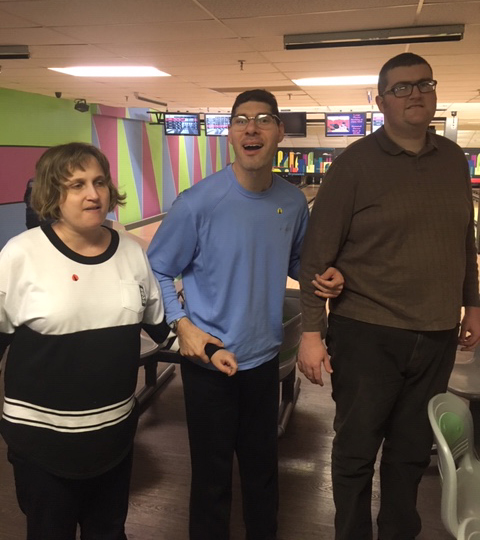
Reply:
x=56 y=166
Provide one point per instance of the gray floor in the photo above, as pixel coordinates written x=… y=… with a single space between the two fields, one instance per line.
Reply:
x=159 y=498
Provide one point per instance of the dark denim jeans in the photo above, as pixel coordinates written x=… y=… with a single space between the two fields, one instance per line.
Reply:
x=53 y=505
x=382 y=381
x=227 y=415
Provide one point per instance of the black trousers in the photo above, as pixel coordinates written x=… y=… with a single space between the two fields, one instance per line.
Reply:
x=382 y=381
x=53 y=505
x=227 y=415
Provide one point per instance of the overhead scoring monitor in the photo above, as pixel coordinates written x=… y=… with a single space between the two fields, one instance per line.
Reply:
x=216 y=125
x=377 y=120
x=345 y=124
x=182 y=124
x=295 y=123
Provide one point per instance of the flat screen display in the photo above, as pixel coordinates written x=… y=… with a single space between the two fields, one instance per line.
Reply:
x=182 y=124
x=346 y=125
x=295 y=123
x=377 y=121
x=216 y=125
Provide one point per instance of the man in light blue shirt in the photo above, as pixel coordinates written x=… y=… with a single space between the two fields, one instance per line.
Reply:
x=234 y=237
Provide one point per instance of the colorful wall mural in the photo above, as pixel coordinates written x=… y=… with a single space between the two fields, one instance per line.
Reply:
x=150 y=167
x=301 y=161
x=30 y=123
x=473 y=158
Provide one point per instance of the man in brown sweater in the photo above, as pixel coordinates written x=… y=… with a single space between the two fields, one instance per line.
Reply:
x=395 y=216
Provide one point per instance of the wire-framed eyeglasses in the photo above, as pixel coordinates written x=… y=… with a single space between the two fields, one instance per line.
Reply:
x=240 y=122
x=405 y=89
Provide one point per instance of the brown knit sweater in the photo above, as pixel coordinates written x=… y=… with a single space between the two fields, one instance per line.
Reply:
x=399 y=226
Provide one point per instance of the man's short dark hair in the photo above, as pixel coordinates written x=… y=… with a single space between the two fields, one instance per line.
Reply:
x=401 y=60
x=259 y=95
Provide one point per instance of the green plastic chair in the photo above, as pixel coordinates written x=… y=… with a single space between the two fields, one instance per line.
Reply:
x=469 y=529
x=459 y=467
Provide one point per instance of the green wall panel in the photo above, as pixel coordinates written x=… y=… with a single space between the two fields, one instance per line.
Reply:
x=219 y=154
x=232 y=153
x=34 y=120
x=202 y=150
x=183 y=172
x=155 y=142
x=126 y=181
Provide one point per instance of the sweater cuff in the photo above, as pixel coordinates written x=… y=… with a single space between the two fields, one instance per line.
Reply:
x=211 y=349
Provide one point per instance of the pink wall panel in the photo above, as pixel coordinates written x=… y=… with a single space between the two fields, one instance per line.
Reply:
x=213 y=153
x=174 y=157
x=197 y=164
x=107 y=138
x=151 y=203
x=17 y=165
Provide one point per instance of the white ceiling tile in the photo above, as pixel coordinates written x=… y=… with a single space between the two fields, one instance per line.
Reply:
x=450 y=13
x=229 y=69
x=176 y=48
x=338 y=55
x=219 y=59
x=7 y=20
x=200 y=42
x=138 y=33
x=88 y=12
x=34 y=36
x=228 y=10
x=277 y=25
x=65 y=52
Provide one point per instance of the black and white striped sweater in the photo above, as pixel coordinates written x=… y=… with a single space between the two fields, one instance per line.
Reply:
x=73 y=325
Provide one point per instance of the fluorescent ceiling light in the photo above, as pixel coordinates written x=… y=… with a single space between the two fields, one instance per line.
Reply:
x=337 y=81
x=14 y=52
x=112 y=71
x=149 y=100
x=385 y=36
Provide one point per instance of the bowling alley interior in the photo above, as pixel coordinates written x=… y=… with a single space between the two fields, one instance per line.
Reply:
x=165 y=129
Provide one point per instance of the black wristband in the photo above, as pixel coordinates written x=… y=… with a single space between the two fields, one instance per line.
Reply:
x=211 y=349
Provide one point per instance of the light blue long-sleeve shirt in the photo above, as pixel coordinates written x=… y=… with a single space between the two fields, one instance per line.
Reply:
x=234 y=249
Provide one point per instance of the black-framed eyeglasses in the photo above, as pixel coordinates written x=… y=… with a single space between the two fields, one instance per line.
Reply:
x=240 y=122
x=405 y=89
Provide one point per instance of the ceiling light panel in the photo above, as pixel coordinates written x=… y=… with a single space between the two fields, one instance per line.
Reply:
x=354 y=80
x=382 y=36
x=112 y=71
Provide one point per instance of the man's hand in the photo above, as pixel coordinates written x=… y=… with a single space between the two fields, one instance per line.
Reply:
x=470 y=329
x=192 y=340
x=225 y=362
x=311 y=355
x=329 y=284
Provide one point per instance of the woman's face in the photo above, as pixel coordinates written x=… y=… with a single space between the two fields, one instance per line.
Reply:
x=84 y=206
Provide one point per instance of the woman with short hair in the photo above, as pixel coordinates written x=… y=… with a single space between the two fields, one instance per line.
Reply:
x=74 y=296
